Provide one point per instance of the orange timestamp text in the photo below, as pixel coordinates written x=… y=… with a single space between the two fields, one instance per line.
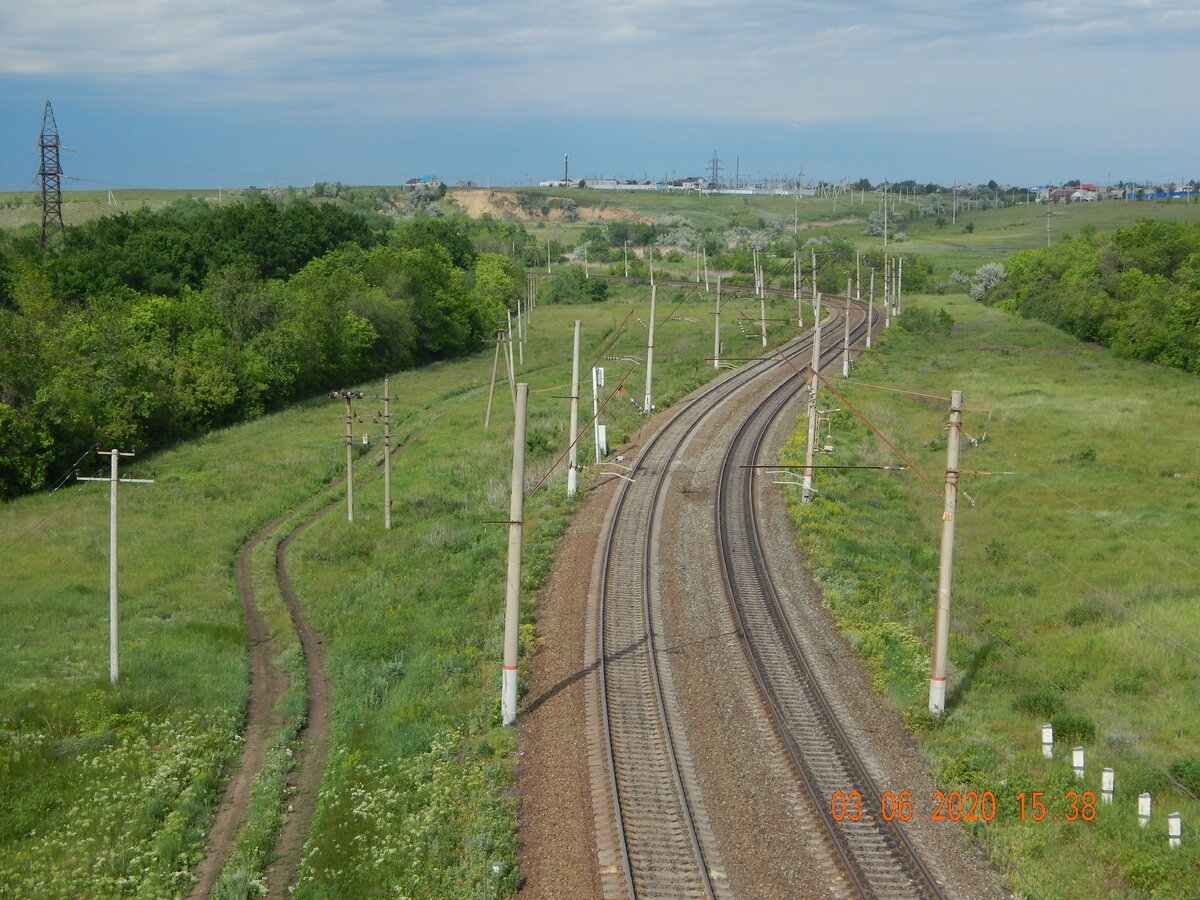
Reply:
x=962 y=806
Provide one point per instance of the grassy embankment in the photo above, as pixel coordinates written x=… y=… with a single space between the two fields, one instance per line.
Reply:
x=1076 y=594
x=107 y=791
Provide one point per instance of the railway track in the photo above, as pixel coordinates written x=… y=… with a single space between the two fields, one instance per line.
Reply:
x=663 y=844
x=876 y=856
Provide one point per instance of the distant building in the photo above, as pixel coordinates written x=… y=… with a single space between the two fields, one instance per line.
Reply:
x=424 y=181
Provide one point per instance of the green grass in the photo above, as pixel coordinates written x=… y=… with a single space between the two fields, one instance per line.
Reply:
x=1076 y=595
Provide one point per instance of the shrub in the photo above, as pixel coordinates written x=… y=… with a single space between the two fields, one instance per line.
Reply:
x=918 y=320
x=1186 y=770
x=1073 y=728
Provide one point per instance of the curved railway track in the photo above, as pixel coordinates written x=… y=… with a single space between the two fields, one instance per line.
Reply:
x=876 y=856
x=663 y=843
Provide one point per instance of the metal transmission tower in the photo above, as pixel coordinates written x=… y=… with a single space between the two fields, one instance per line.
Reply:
x=50 y=174
x=715 y=170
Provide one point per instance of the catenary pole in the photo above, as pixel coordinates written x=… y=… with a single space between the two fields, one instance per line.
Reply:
x=573 y=461
x=846 y=339
x=649 y=404
x=717 y=328
x=512 y=602
x=811 y=442
x=941 y=629
x=870 y=307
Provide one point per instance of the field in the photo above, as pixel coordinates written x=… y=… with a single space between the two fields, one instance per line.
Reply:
x=1075 y=594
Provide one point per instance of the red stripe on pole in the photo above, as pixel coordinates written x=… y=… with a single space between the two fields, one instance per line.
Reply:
x=936 y=678
x=514 y=668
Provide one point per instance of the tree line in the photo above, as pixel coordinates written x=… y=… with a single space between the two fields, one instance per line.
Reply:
x=1136 y=291
x=146 y=328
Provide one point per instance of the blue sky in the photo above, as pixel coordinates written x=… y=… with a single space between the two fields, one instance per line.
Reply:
x=195 y=93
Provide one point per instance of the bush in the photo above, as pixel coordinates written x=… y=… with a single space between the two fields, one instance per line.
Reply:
x=918 y=320
x=1186 y=770
x=571 y=285
x=1073 y=728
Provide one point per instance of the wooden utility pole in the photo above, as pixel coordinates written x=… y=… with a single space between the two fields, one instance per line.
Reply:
x=573 y=455
x=349 y=397
x=941 y=628
x=811 y=443
x=648 y=405
x=113 y=479
x=512 y=602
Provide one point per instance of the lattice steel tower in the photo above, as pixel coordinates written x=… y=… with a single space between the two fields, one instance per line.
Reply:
x=50 y=174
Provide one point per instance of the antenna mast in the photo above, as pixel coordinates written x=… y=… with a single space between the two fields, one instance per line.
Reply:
x=50 y=174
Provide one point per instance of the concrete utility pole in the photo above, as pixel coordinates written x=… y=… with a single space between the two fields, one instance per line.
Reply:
x=650 y=248
x=762 y=317
x=941 y=628
x=704 y=251
x=899 y=283
x=627 y=259
x=349 y=397
x=387 y=448
x=487 y=416
x=597 y=383
x=846 y=339
x=648 y=404
x=717 y=328
x=870 y=307
x=512 y=369
x=512 y=602
x=573 y=456
x=811 y=443
x=114 y=669
x=586 y=274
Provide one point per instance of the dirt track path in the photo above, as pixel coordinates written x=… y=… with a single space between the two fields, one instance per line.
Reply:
x=314 y=737
x=267 y=684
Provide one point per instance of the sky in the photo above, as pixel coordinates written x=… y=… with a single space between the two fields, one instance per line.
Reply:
x=200 y=93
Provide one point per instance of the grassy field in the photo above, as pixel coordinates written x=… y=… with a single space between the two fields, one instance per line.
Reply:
x=1076 y=595
x=107 y=791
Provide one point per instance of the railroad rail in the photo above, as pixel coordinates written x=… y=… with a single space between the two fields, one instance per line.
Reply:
x=664 y=844
x=876 y=855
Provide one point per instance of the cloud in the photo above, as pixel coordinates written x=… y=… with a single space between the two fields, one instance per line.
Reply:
x=791 y=62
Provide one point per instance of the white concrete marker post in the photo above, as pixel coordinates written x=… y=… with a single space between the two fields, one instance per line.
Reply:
x=1077 y=761
x=1106 y=786
x=512 y=603
x=1048 y=741
x=1174 y=829
x=1143 y=809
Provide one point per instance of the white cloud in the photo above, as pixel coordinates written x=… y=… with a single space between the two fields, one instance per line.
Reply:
x=733 y=59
